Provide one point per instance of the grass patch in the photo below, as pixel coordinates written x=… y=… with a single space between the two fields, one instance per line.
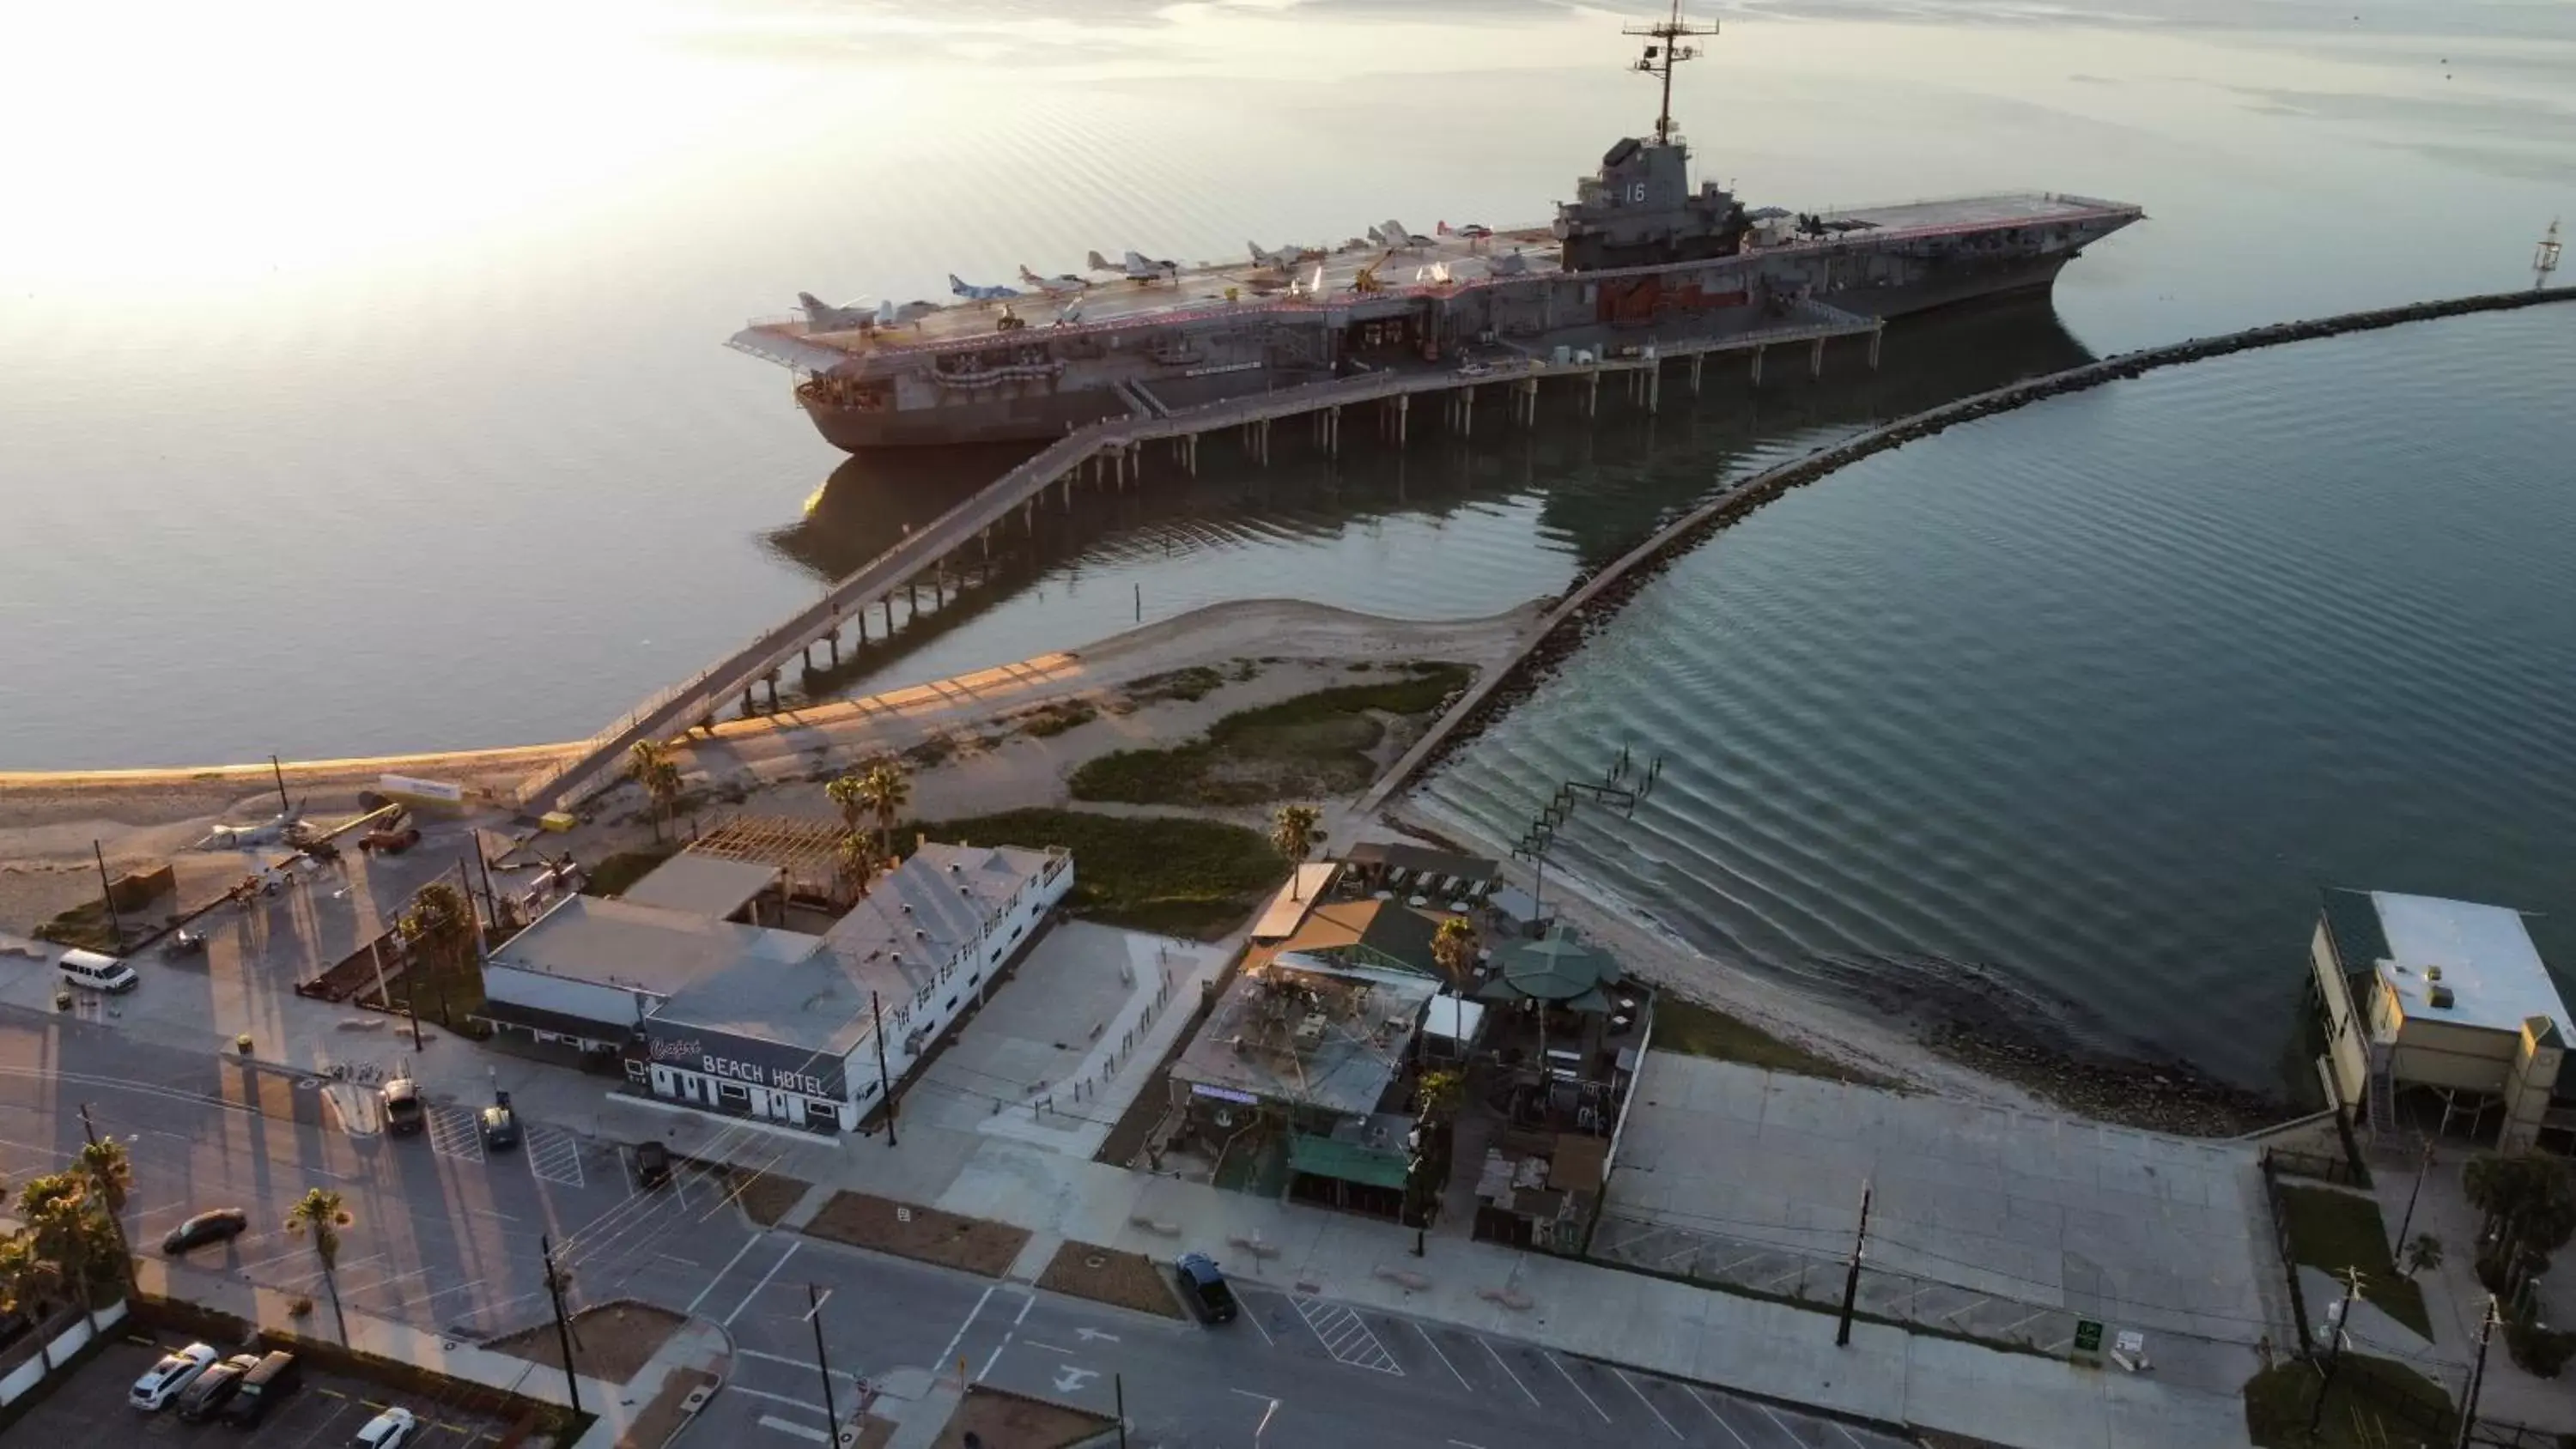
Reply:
x=1178 y=877
x=2337 y=1230
x=930 y=754
x=84 y=926
x=864 y=1220
x=2373 y=1402
x=765 y=1197
x=615 y=1340
x=1312 y=744
x=1106 y=1275
x=999 y=1419
x=1194 y=683
x=624 y=869
x=1054 y=719
x=1694 y=1030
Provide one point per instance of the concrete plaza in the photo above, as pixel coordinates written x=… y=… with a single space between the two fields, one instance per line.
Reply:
x=2029 y=1222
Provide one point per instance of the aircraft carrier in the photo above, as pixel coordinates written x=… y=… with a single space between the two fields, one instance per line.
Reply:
x=1640 y=260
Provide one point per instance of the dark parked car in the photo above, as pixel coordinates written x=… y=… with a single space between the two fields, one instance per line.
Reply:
x=652 y=1164
x=220 y=1226
x=500 y=1124
x=214 y=1386
x=277 y=1375
x=404 y=1114
x=1205 y=1288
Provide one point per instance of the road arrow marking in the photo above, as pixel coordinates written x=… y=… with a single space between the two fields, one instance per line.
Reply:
x=1088 y=1334
x=1068 y=1379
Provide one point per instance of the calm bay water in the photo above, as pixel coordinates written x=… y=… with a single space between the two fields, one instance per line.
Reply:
x=2085 y=703
x=361 y=389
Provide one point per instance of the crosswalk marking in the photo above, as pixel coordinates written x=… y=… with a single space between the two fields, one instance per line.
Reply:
x=453 y=1132
x=555 y=1156
x=1346 y=1336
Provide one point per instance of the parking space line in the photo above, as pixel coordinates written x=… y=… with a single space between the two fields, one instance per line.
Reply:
x=747 y=1245
x=1346 y=1336
x=811 y=1408
x=1563 y=1373
x=1649 y=1403
x=554 y=1155
x=1848 y=1436
x=764 y=1281
x=1444 y=1360
x=1777 y=1422
x=1700 y=1399
x=453 y=1132
x=1507 y=1372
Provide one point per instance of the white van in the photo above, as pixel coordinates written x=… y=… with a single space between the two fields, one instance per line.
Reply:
x=97 y=972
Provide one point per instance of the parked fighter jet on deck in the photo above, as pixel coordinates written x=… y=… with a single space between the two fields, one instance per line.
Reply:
x=1138 y=268
x=1285 y=260
x=973 y=293
x=1064 y=284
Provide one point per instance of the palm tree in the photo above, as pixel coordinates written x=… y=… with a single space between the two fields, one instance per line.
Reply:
x=28 y=1282
x=2530 y=1205
x=319 y=1213
x=848 y=795
x=650 y=765
x=439 y=935
x=858 y=860
x=886 y=791
x=1293 y=835
x=61 y=1227
x=1453 y=948
x=111 y=1176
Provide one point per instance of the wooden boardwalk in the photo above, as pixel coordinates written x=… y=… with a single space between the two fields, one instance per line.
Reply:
x=1111 y=451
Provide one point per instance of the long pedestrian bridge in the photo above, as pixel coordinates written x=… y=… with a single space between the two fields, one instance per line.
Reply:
x=1111 y=454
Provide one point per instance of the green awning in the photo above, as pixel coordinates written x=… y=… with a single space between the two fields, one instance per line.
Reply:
x=1345 y=1161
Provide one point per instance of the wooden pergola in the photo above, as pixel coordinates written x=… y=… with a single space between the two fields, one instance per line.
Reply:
x=806 y=851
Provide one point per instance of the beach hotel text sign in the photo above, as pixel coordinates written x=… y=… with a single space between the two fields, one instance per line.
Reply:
x=753 y=1063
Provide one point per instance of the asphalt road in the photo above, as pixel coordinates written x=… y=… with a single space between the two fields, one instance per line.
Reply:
x=447 y=1237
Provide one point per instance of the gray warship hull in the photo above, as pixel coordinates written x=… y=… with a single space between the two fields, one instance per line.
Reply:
x=1640 y=264
x=1184 y=360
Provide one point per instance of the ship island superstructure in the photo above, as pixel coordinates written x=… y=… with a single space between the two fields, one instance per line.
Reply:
x=1639 y=261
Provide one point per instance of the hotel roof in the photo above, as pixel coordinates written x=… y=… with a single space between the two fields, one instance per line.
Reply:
x=704 y=884
x=643 y=947
x=2485 y=956
x=916 y=918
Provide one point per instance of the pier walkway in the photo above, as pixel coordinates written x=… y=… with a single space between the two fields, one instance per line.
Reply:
x=1112 y=453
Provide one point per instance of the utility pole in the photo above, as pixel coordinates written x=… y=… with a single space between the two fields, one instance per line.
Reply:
x=2422 y=1171
x=563 y=1330
x=2477 y=1377
x=1851 y=1279
x=107 y=895
x=2334 y=1354
x=1118 y=1388
x=814 y=1315
x=885 y=1087
x=125 y=1250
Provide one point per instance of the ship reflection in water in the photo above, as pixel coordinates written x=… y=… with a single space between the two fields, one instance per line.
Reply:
x=1444 y=528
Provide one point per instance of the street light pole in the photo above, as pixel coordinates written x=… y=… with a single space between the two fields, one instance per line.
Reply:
x=563 y=1330
x=1851 y=1279
x=814 y=1315
x=885 y=1087
x=107 y=896
x=2423 y=1170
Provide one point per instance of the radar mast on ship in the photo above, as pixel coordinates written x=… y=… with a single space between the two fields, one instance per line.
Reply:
x=1639 y=209
x=1660 y=58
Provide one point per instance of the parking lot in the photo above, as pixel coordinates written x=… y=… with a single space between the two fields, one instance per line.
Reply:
x=89 y=1410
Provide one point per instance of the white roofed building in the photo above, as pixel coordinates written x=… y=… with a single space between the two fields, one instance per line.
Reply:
x=2441 y=1014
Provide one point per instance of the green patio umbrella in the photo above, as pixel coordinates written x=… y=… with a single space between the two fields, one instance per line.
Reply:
x=1559 y=969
